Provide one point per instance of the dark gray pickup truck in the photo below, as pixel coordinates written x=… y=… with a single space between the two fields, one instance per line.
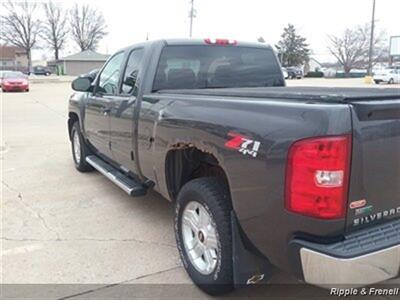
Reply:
x=261 y=175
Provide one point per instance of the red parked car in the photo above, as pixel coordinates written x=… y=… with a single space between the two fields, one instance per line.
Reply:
x=14 y=81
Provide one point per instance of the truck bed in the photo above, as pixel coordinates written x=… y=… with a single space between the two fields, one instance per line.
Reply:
x=325 y=94
x=375 y=115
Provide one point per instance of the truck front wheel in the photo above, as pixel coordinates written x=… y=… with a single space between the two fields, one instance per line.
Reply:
x=79 y=149
x=203 y=234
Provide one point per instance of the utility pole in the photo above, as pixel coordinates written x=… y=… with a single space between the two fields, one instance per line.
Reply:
x=371 y=42
x=191 y=16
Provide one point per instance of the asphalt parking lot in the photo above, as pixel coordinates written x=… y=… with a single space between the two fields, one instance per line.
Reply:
x=60 y=226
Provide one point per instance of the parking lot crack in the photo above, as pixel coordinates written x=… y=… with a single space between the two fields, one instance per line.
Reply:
x=156 y=273
x=117 y=284
x=43 y=220
x=35 y=213
x=8 y=186
x=90 y=291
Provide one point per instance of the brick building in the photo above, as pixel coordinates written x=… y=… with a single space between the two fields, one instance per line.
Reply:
x=13 y=58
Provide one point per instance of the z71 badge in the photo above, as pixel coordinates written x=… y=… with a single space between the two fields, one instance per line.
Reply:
x=242 y=143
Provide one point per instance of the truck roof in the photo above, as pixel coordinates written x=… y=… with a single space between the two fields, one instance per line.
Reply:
x=200 y=42
x=197 y=42
x=325 y=94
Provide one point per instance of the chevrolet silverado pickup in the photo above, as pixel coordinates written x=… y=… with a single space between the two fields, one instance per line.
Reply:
x=305 y=179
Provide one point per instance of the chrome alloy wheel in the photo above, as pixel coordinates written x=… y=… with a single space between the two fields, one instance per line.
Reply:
x=77 y=147
x=200 y=237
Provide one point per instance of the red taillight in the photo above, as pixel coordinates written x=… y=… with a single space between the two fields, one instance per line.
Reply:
x=222 y=42
x=317 y=177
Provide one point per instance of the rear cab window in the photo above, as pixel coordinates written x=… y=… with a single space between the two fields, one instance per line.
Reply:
x=200 y=67
x=131 y=72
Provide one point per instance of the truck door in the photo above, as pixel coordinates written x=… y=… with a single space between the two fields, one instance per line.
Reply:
x=122 y=113
x=97 y=112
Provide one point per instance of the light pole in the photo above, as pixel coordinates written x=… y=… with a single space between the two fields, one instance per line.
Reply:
x=191 y=16
x=371 y=42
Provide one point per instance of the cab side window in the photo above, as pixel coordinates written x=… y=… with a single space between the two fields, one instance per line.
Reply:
x=131 y=72
x=109 y=77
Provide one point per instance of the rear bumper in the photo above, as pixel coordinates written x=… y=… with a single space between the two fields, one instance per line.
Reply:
x=364 y=258
x=326 y=271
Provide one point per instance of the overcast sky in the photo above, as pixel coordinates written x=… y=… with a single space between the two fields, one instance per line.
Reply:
x=129 y=21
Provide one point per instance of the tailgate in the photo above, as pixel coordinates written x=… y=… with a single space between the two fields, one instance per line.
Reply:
x=374 y=195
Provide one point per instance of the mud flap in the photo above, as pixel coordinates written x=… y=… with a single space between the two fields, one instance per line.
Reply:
x=249 y=267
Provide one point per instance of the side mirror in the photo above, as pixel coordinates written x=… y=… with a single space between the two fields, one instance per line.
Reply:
x=82 y=84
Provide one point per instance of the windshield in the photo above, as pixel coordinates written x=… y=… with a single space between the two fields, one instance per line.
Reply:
x=199 y=67
x=13 y=75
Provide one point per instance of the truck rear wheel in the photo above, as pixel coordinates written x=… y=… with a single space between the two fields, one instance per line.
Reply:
x=203 y=234
x=79 y=149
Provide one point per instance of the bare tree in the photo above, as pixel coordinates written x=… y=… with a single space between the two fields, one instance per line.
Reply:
x=88 y=26
x=55 y=28
x=351 y=49
x=20 y=26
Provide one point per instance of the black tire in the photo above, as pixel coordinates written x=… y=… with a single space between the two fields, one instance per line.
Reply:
x=213 y=195
x=391 y=81
x=80 y=164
